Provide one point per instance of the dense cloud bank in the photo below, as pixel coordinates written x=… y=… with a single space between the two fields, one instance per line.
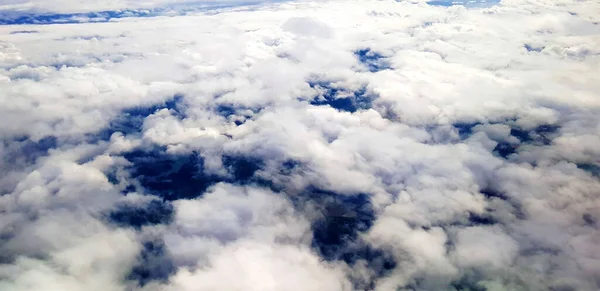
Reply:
x=338 y=145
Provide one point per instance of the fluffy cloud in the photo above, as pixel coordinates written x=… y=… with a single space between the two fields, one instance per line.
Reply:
x=333 y=145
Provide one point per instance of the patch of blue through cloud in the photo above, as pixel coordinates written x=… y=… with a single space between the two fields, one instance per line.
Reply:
x=154 y=263
x=182 y=176
x=241 y=167
x=131 y=120
x=170 y=177
x=373 y=60
x=541 y=135
x=18 y=153
x=593 y=169
x=33 y=150
x=379 y=261
x=490 y=215
x=491 y=194
x=481 y=219
x=288 y=166
x=589 y=219
x=137 y=216
x=336 y=98
x=344 y=216
x=531 y=48
x=26 y=151
x=504 y=149
x=281 y=174
x=465 y=129
x=336 y=233
x=232 y=113
x=226 y=110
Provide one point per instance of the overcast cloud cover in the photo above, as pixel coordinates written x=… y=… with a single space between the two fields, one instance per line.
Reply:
x=299 y=145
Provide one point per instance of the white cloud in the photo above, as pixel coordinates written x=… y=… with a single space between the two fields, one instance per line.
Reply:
x=236 y=238
x=450 y=85
x=262 y=267
x=484 y=247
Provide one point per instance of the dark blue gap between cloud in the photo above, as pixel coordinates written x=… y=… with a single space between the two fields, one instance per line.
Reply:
x=174 y=177
x=472 y=219
x=24 y=151
x=233 y=113
x=226 y=110
x=131 y=120
x=490 y=216
x=481 y=219
x=531 y=48
x=592 y=169
x=154 y=263
x=505 y=149
x=379 y=261
x=170 y=177
x=358 y=100
x=241 y=167
x=491 y=194
x=33 y=150
x=336 y=233
x=589 y=219
x=136 y=216
x=541 y=135
x=465 y=129
x=20 y=153
x=373 y=60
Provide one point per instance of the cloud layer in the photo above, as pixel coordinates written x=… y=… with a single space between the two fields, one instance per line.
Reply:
x=328 y=145
x=81 y=6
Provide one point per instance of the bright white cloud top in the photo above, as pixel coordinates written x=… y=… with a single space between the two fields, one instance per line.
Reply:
x=327 y=145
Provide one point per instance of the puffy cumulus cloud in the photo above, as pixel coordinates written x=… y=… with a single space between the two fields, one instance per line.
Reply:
x=335 y=145
x=237 y=238
x=483 y=247
x=226 y=214
x=53 y=236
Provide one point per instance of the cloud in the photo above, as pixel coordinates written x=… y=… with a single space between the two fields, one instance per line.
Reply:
x=484 y=247
x=332 y=145
x=79 y=6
